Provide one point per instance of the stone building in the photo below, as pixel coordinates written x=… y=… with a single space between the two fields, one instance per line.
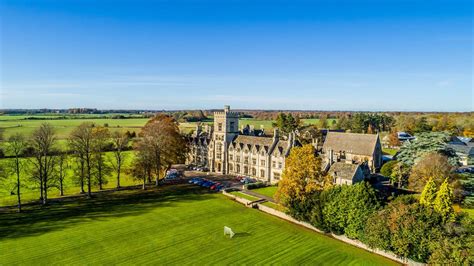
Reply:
x=353 y=148
x=226 y=150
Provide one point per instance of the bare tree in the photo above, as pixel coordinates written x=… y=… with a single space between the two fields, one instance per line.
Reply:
x=101 y=137
x=16 y=146
x=43 y=140
x=62 y=166
x=120 y=142
x=81 y=141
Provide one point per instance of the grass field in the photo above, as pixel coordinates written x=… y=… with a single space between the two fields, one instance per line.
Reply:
x=30 y=192
x=243 y=195
x=12 y=124
x=178 y=225
x=266 y=191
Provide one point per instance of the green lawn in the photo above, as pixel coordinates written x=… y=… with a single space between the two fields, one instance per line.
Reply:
x=266 y=191
x=171 y=226
x=243 y=195
x=389 y=151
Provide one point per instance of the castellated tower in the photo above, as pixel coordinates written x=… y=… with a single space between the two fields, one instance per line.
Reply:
x=226 y=128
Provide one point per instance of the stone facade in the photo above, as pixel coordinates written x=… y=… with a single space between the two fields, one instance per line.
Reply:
x=225 y=150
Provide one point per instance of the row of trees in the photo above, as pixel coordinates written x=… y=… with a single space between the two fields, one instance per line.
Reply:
x=425 y=230
x=158 y=147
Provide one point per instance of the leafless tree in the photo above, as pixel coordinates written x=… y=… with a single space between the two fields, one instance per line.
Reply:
x=101 y=137
x=120 y=142
x=43 y=140
x=16 y=146
x=81 y=141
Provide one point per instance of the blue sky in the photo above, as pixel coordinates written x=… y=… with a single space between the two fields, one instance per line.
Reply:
x=319 y=55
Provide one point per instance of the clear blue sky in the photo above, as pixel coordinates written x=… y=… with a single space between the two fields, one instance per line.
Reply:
x=324 y=55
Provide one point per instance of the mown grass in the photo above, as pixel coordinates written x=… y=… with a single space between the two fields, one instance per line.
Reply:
x=266 y=191
x=243 y=195
x=30 y=191
x=176 y=225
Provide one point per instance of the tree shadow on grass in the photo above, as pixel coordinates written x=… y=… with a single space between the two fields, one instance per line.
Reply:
x=67 y=212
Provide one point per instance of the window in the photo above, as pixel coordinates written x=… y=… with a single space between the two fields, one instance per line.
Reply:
x=246 y=170
x=280 y=165
x=262 y=162
x=262 y=173
x=231 y=157
x=231 y=127
x=219 y=127
x=276 y=176
x=254 y=172
x=218 y=155
x=238 y=159
x=246 y=160
x=274 y=163
x=254 y=161
x=238 y=168
x=231 y=167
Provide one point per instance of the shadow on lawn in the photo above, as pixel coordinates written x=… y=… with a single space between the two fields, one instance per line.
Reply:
x=66 y=212
x=241 y=234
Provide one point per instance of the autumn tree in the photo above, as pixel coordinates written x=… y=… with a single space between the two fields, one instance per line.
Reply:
x=100 y=137
x=16 y=146
x=393 y=140
x=81 y=140
x=142 y=166
x=120 y=143
x=443 y=203
x=163 y=143
x=43 y=142
x=431 y=166
x=302 y=176
x=428 y=195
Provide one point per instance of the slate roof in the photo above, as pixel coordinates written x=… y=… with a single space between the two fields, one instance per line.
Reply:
x=343 y=170
x=362 y=144
x=464 y=149
x=253 y=140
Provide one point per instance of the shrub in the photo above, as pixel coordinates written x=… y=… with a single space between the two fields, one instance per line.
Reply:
x=255 y=185
x=346 y=211
x=386 y=169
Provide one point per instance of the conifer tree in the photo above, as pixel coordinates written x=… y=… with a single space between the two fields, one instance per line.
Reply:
x=428 y=195
x=443 y=203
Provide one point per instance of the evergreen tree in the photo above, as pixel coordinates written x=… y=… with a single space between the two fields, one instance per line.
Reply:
x=428 y=195
x=443 y=203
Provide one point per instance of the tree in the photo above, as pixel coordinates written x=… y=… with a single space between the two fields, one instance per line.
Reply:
x=287 y=123
x=100 y=137
x=81 y=140
x=43 y=141
x=302 y=175
x=16 y=146
x=163 y=143
x=323 y=121
x=393 y=140
x=387 y=168
x=347 y=211
x=120 y=142
x=399 y=174
x=142 y=166
x=426 y=143
x=62 y=166
x=431 y=166
x=443 y=203
x=428 y=195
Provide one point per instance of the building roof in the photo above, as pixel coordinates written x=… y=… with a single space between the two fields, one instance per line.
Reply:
x=362 y=144
x=463 y=149
x=343 y=170
x=253 y=140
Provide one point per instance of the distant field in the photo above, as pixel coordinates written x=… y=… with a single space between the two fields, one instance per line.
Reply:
x=174 y=225
x=12 y=124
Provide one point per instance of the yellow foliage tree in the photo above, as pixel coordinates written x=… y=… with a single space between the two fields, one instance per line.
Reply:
x=302 y=175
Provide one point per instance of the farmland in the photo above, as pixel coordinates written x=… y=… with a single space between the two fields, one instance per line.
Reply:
x=170 y=225
x=27 y=124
